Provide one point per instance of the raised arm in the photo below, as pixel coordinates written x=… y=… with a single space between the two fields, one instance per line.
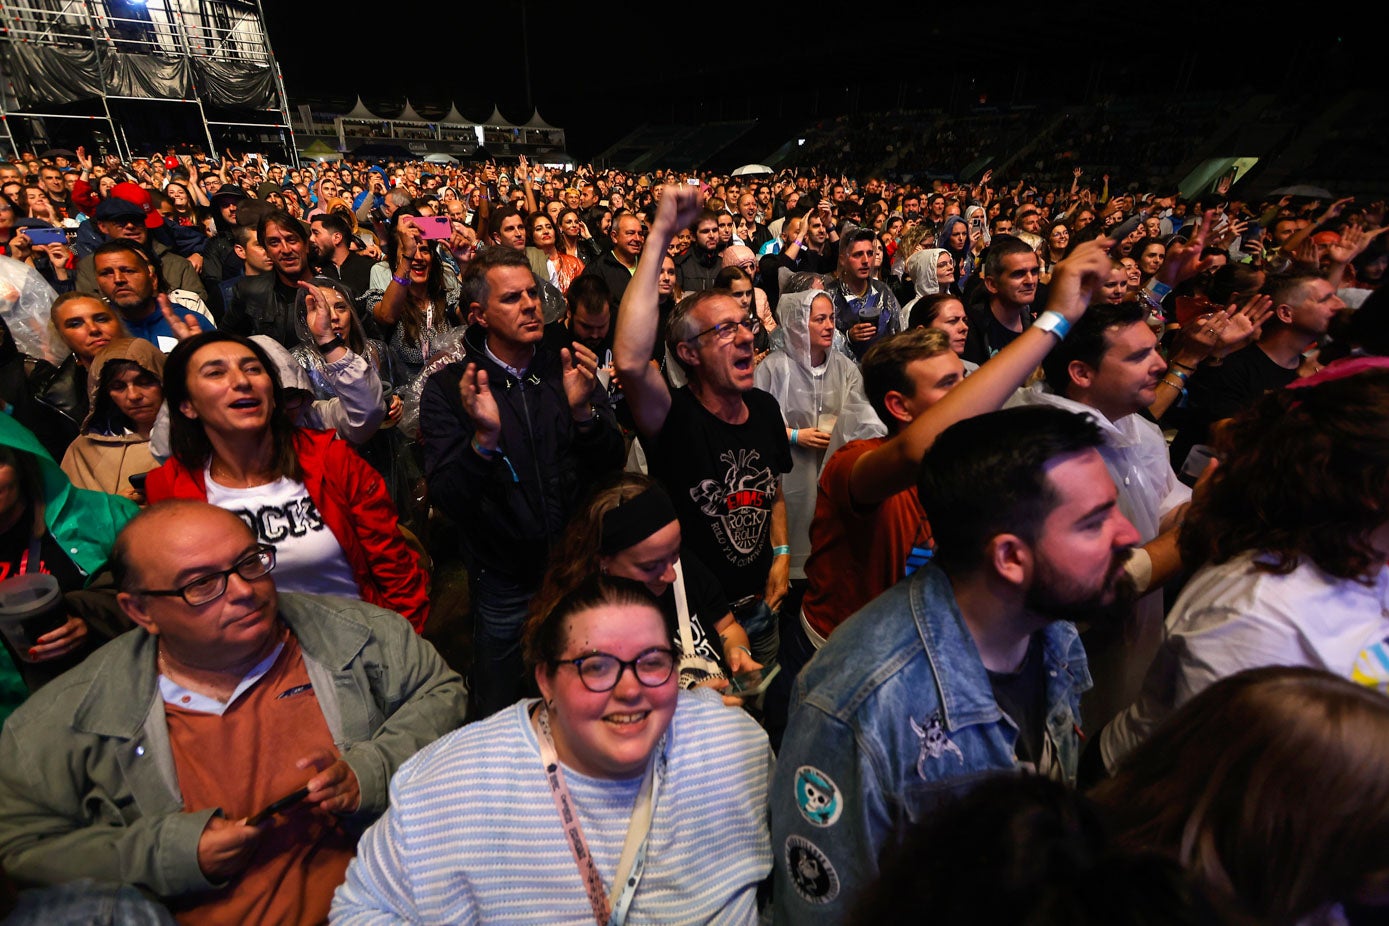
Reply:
x=393 y=302
x=523 y=180
x=1333 y=211
x=892 y=468
x=648 y=397
x=1353 y=242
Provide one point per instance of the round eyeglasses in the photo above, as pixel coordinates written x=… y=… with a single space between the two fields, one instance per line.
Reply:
x=600 y=672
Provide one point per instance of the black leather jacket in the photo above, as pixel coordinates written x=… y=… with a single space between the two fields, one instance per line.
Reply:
x=59 y=404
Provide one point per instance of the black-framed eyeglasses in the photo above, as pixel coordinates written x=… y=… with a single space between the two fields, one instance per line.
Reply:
x=600 y=672
x=726 y=331
x=256 y=564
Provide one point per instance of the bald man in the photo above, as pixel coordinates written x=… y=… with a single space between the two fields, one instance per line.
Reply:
x=153 y=761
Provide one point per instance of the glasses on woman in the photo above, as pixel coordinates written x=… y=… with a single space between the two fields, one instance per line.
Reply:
x=206 y=589
x=726 y=331
x=600 y=672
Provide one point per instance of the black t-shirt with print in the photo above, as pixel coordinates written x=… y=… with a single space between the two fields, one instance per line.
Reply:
x=723 y=480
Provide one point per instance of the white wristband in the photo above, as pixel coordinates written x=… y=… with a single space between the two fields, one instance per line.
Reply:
x=1054 y=323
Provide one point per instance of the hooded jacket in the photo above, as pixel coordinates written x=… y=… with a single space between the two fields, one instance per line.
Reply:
x=810 y=397
x=107 y=453
x=921 y=268
x=964 y=260
x=84 y=523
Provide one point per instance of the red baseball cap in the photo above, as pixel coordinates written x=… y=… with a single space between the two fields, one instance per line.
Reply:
x=139 y=196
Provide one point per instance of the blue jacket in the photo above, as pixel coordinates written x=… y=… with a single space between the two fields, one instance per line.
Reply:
x=892 y=717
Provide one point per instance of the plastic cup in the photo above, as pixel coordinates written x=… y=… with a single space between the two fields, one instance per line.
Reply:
x=31 y=605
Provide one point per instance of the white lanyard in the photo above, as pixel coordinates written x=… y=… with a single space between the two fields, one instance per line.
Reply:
x=689 y=657
x=682 y=612
x=633 y=859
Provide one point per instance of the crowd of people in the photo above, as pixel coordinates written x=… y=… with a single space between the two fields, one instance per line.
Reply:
x=838 y=549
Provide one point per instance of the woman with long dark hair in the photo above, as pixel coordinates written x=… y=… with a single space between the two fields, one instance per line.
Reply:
x=323 y=506
x=418 y=308
x=954 y=237
x=574 y=238
x=187 y=211
x=543 y=236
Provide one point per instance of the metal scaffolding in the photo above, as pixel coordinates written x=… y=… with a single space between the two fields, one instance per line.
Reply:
x=72 y=59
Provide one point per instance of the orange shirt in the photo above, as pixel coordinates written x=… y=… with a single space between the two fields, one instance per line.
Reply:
x=857 y=553
x=243 y=761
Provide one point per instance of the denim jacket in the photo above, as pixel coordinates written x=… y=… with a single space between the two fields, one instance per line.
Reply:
x=892 y=717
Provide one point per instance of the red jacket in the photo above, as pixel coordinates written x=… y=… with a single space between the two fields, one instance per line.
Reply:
x=352 y=499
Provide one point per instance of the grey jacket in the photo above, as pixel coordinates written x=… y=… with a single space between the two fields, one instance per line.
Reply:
x=88 y=787
x=175 y=271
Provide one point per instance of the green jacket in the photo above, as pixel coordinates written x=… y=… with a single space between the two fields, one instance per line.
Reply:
x=88 y=787
x=84 y=523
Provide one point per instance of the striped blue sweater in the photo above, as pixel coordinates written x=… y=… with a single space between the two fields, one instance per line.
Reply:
x=472 y=835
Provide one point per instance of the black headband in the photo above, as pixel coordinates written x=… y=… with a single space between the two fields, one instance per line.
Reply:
x=635 y=519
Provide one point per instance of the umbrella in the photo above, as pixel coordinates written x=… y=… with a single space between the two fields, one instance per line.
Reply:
x=440 y=157
x=752 y=170
x=1302 y=189
x=52 y=153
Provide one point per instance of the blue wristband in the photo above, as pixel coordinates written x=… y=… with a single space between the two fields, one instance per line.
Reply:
x=795 y=435
x=1053 y=322
x=782 y=550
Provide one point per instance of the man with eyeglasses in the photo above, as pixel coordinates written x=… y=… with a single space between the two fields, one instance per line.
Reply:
x=718 y=444
x=154 y=762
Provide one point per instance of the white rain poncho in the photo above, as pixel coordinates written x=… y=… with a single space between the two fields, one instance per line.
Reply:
x=921 y=268
x=810 y=397
x=1135 y=454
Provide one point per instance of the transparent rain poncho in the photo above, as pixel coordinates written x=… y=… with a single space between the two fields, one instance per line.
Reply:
x=25 y=301
x=810 y=397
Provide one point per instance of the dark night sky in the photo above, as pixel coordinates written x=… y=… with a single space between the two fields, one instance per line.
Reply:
x=597 y=74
